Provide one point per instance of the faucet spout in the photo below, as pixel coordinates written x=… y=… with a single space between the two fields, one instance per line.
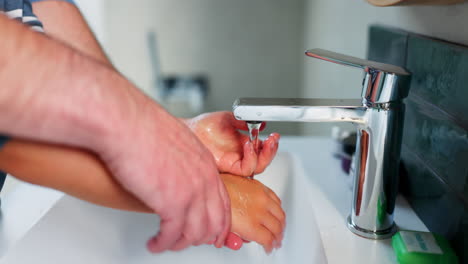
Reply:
x=300 y=110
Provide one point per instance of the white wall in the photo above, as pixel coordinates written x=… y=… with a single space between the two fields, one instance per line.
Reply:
x=255 y=48
x=247 y=48
x=93 y=11
x=341 y=25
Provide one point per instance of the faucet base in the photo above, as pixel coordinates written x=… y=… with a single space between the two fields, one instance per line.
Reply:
x=377 y=235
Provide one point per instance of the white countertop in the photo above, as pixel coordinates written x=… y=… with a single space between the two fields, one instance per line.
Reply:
x=24 y=205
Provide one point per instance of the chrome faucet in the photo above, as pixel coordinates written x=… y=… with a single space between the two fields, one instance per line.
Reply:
x=379 y=121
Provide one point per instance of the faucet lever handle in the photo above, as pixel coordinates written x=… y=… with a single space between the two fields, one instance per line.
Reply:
x=346 y=60
x=382 y=83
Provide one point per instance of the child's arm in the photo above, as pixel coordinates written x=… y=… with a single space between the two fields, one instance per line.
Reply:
x=73 y=171
x=81 y=174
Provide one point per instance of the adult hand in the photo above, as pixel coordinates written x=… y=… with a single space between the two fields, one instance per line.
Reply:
x=232 y=150
x=162 y=162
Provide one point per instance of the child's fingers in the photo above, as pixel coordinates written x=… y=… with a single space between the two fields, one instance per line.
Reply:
x=241 y=167
x=278 y=213
x=249 y=162
x=273 y=196
x=268 y=152
x=274 y=225
x=265 y=238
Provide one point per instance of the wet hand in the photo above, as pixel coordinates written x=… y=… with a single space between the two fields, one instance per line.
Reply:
x=256 y=212
x=232 y=150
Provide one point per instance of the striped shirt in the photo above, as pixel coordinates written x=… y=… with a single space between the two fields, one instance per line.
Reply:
x=21 y=10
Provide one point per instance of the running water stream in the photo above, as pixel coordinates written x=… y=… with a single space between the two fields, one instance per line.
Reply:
x=254 y=130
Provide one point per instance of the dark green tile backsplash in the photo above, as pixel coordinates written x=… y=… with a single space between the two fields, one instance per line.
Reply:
x=438 y=140
x=432 y=200
x=441 y=76
x=435 y=142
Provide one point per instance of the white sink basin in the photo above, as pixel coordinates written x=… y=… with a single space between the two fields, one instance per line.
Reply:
x=73 y=231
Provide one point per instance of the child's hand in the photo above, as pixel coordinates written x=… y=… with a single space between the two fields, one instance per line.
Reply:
x=232 y=150
x=256 y=211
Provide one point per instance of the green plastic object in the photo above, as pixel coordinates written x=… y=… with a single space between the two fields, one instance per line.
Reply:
x=413 y=247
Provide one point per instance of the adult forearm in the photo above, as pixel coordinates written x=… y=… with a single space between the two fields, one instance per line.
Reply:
x=63 y=21
x=51 y=92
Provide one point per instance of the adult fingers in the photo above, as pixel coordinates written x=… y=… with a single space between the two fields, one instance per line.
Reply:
x=209 y=236
x=182 y=243
x=195 y=229
x=170 y=231
x=227 y=214
x=219 y=208
x=233 y=241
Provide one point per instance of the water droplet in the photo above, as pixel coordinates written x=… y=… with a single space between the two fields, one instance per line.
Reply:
x=254 y=130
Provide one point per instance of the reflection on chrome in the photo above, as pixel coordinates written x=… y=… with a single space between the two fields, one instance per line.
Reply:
x=378 y=117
